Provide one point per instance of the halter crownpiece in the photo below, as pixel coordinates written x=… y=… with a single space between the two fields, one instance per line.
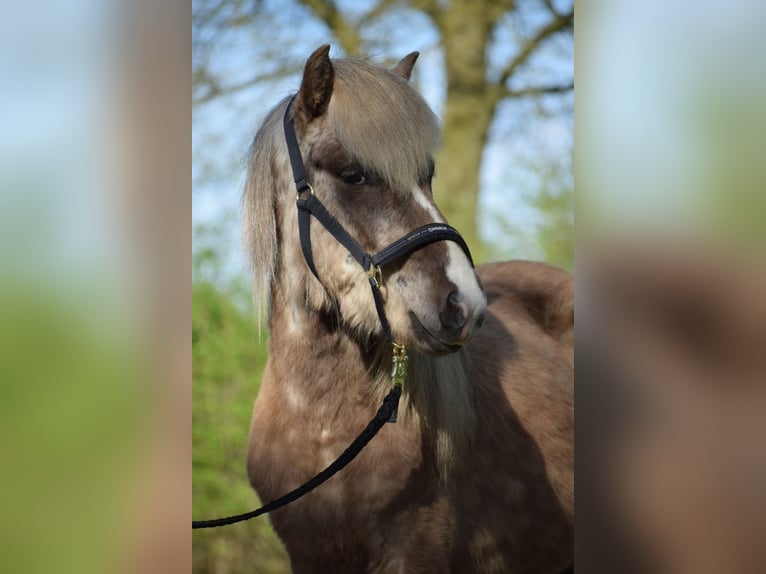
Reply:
x=372 y=264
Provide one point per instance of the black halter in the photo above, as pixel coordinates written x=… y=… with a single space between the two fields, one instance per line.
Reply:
x=371 y=264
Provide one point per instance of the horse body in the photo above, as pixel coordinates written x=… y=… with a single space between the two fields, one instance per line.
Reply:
x=476 y=475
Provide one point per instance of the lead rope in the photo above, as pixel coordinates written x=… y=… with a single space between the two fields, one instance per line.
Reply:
x=389 y=406
x=386 y=413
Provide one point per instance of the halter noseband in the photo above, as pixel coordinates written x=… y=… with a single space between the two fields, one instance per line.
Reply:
x=414 y=240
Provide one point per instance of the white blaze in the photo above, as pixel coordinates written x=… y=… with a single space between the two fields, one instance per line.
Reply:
x=429 y=206
x=459 y=270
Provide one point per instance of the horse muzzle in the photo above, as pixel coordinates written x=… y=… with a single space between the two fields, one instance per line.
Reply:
x=458 y=321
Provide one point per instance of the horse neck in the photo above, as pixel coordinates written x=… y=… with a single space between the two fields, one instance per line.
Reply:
x=310 y=347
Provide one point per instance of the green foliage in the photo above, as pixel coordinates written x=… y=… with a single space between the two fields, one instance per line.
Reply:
x=73 y=414
x=556 y=232
x=548 y=235
x=228 y=358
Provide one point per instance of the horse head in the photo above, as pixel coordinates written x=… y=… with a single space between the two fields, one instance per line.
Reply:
x=367 y=139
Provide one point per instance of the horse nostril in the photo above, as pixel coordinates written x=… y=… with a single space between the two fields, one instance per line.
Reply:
x=455 y=298
x=455 y=312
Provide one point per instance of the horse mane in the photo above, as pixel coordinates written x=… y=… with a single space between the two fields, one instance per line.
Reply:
x=258 y=204
x=378 y=118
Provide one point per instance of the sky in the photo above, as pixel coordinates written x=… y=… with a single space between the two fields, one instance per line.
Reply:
x=55 y=80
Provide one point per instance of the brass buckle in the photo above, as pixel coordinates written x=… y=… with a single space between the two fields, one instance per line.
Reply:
x=399 y=365
x=375 y=273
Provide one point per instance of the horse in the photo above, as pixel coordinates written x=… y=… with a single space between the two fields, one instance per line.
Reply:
x=476 y=475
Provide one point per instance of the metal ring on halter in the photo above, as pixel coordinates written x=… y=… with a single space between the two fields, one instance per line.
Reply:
x=308 y=187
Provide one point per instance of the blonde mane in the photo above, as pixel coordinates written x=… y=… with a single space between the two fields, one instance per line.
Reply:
x=264 y=179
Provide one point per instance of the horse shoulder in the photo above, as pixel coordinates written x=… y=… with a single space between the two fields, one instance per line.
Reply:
x=529 y=334
x=523 y=378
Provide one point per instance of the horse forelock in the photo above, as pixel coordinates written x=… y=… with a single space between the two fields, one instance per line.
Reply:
x=382 y=122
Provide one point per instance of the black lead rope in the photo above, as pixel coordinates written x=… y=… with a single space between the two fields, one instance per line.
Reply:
x=389 y=405
x=371 y=264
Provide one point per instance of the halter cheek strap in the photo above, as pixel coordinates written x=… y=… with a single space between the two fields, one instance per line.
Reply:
x=372 y=264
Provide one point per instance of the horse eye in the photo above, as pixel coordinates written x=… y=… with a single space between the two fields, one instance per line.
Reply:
x=353 y=177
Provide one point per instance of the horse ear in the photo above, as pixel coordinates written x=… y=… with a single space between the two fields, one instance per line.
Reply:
x=404 y=67
x=316 y=86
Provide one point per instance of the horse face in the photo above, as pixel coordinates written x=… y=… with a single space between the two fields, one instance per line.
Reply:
x=432 y=296
x=433 y=299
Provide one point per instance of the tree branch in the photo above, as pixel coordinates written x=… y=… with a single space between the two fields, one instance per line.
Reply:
x=428 y=7
x=556 y=25
x=344 y=32
x=552 y=8
x=534 y=91
x=375 y=12
x=206 y=12
x=213 y=89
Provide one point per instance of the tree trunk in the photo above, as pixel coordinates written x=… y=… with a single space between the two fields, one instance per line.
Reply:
x=465 y=26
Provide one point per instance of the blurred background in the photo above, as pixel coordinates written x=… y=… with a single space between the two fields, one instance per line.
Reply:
x=671 y=334
x=500 y=75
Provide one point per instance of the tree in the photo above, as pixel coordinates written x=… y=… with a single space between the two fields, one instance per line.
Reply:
x=466 y=27
x=473 y=36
